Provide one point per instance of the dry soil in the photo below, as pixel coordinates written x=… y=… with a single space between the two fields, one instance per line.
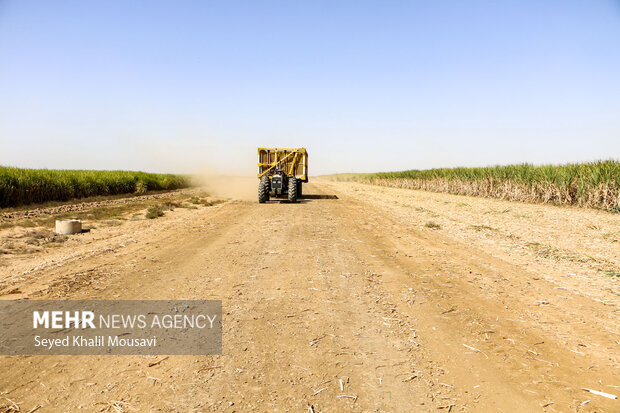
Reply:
x=383 y=300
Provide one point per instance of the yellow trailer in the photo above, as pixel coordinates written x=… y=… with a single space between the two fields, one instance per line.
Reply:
x=281 y=172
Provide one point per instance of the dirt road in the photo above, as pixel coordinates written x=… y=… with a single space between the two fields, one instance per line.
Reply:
x=383 y=300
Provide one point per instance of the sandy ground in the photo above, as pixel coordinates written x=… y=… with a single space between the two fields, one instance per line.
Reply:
x=383 y=300
x=8 y=215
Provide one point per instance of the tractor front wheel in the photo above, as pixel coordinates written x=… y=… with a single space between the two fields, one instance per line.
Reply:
x=292 y=189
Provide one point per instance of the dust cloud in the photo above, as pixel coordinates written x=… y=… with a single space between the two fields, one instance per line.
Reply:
x=242 y=188
x=222 y=170
x=230 y=174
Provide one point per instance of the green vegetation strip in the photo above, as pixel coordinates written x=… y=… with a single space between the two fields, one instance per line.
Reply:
x=26 y=186
x=593 y=184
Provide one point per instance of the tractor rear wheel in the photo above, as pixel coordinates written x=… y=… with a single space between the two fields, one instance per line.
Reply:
x=299 y=194
x=263 y=190
x=292 y=189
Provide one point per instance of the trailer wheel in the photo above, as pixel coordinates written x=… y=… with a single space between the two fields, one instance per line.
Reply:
x=299 y=185
x=263 y=190
x=292 y=189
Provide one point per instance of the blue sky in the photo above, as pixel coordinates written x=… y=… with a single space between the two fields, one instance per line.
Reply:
x=364 y=85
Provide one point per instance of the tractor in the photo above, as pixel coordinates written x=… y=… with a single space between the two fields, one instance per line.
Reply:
x=281 y=173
